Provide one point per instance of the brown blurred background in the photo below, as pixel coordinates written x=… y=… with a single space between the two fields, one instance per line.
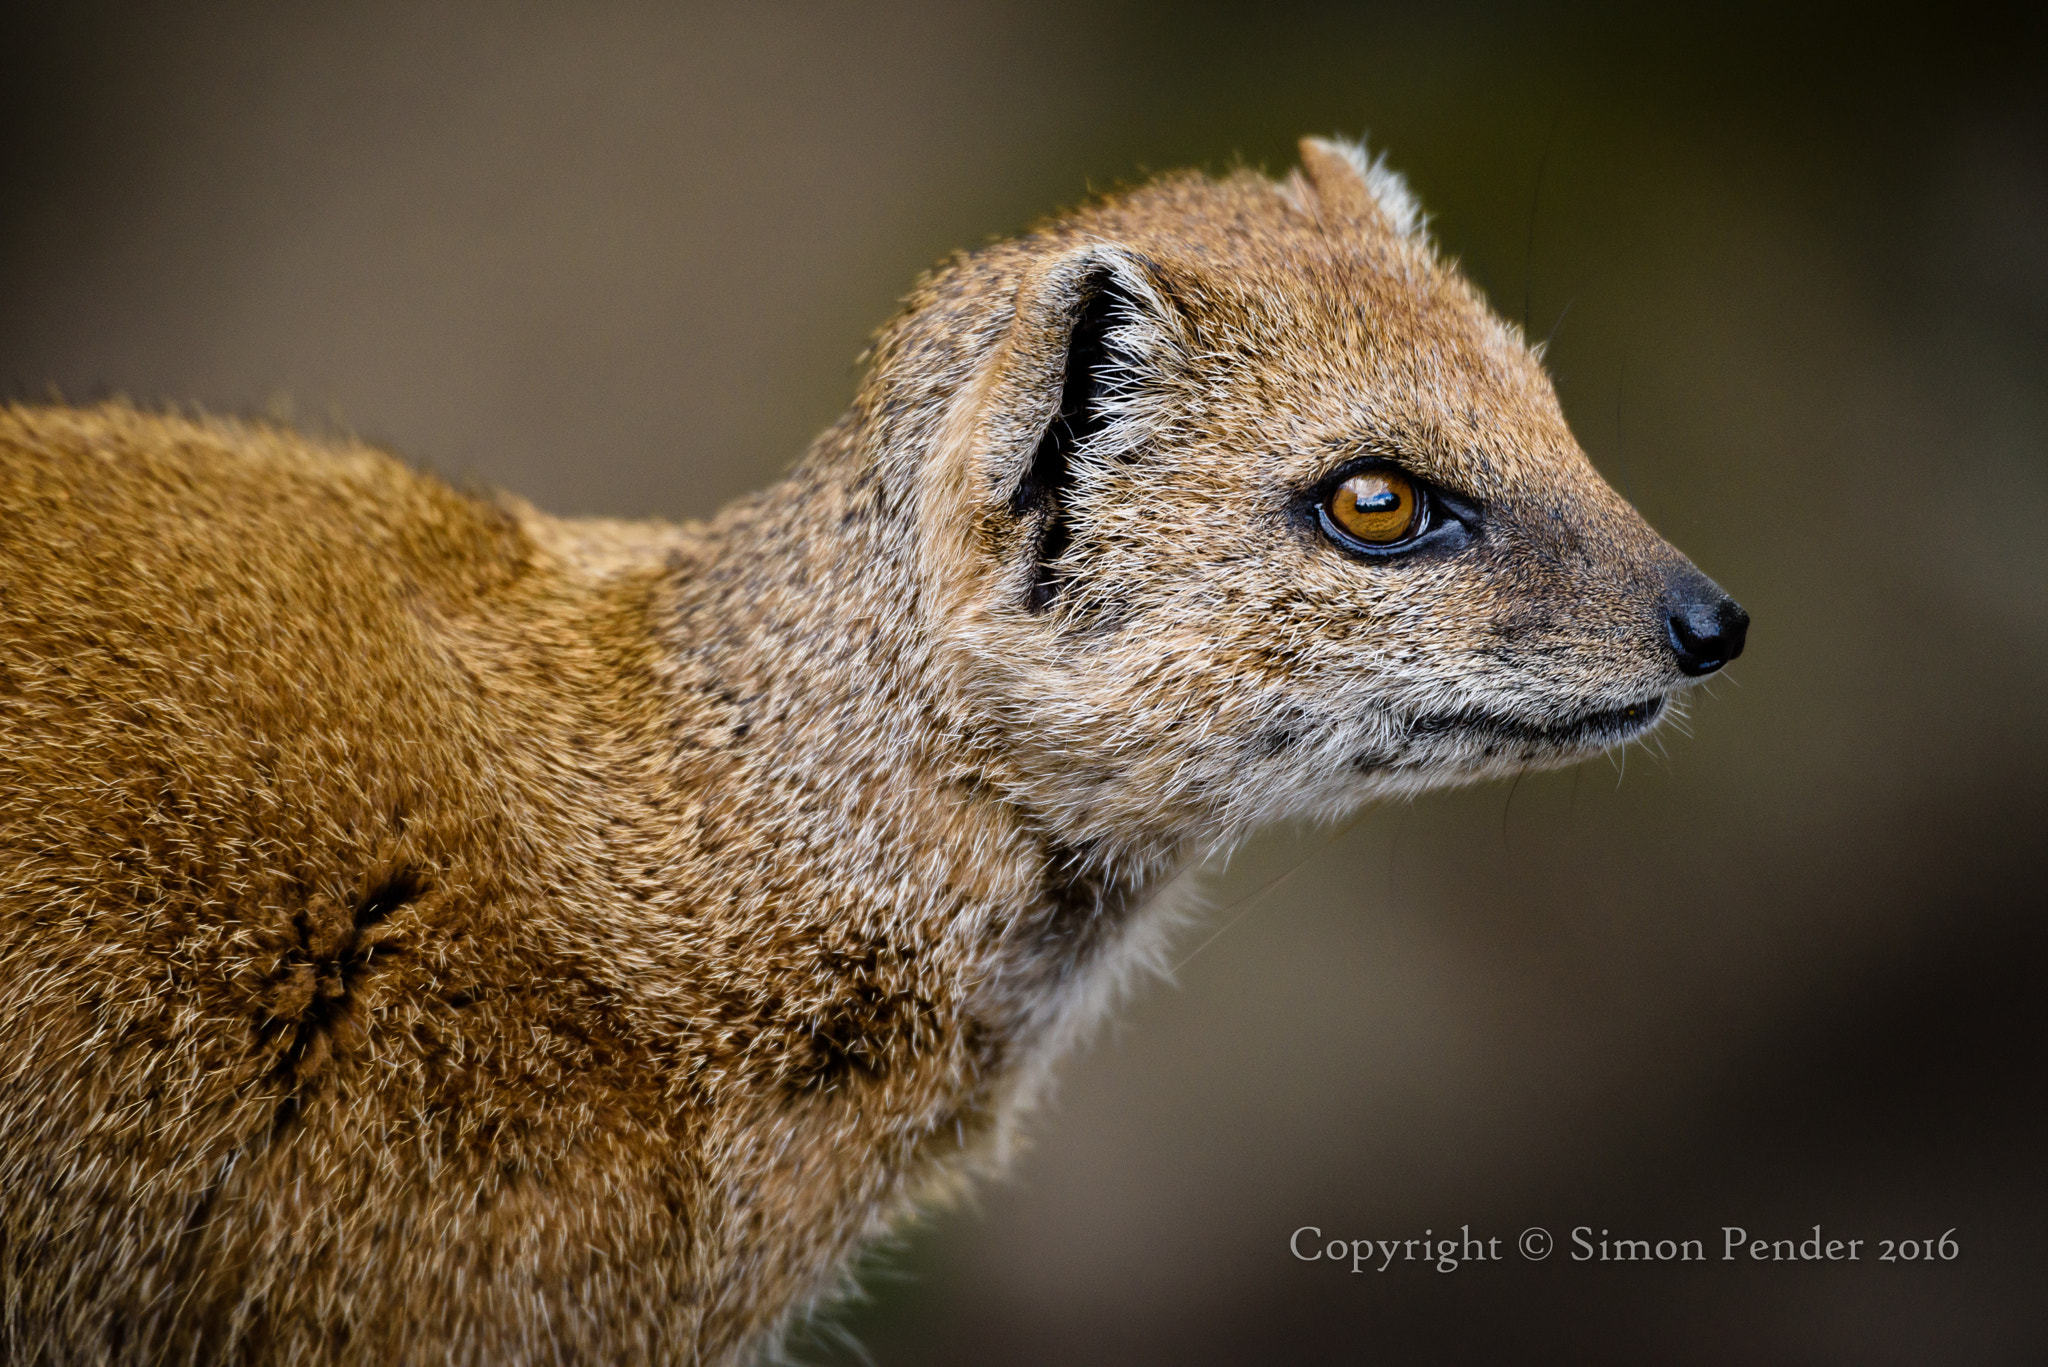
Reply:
x=1789 y=969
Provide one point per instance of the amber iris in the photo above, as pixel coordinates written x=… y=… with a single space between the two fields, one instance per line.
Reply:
x=1377 y=507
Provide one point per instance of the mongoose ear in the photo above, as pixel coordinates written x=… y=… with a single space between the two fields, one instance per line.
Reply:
x=1354 y=187
x=1078 y=387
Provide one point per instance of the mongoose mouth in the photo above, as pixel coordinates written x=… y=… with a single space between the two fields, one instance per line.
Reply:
x=1587 y=731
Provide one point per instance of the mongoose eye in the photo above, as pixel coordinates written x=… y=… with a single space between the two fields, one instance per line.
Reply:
x=1376 y=507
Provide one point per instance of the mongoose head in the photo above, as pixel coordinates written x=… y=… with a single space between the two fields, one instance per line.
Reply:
x=1243 y=505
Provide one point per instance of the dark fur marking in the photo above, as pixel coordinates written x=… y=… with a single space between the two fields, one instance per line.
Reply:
x=854 y=1013
x=1277 y=741
x=322 y=971
x=876 y=1024
x=316 y=1000
x=1081 y=907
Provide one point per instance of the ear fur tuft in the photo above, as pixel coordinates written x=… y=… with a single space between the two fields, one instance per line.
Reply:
x=1356 y=186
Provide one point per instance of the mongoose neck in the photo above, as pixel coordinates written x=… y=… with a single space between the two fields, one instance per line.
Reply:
x=809 y=694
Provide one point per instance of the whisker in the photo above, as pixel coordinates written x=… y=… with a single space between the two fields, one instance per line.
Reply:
x=1243 y=905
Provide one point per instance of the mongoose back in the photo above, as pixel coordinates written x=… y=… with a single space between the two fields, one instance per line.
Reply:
x=433 y=931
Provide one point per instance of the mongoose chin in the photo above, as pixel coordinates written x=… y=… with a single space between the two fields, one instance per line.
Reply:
x=432 y=931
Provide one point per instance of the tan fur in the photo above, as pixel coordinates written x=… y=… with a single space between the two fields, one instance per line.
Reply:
x=434 y=932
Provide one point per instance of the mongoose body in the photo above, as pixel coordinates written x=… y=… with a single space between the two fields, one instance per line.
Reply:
x=431 y=931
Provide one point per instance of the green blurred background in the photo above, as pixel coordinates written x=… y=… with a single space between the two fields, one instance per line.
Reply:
x=1788 y=969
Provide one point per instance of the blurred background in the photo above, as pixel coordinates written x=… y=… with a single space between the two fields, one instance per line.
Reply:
x=1788 y=969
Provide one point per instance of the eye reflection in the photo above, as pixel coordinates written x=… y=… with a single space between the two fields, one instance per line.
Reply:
x=1377 y=507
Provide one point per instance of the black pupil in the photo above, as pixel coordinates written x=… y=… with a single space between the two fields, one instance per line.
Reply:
x=1385 y=501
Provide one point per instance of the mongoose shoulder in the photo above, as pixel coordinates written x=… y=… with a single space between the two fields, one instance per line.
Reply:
x=431 y=931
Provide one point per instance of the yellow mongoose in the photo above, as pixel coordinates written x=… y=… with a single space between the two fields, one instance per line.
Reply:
x=435 y=932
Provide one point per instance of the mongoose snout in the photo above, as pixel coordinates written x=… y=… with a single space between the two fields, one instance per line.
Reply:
x=434 y=931
x=1707 y=626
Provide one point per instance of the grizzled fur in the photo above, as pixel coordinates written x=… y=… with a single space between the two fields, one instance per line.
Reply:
x=431 y=931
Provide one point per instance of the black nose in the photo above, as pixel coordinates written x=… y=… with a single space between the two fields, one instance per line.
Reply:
x=1704 y=625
